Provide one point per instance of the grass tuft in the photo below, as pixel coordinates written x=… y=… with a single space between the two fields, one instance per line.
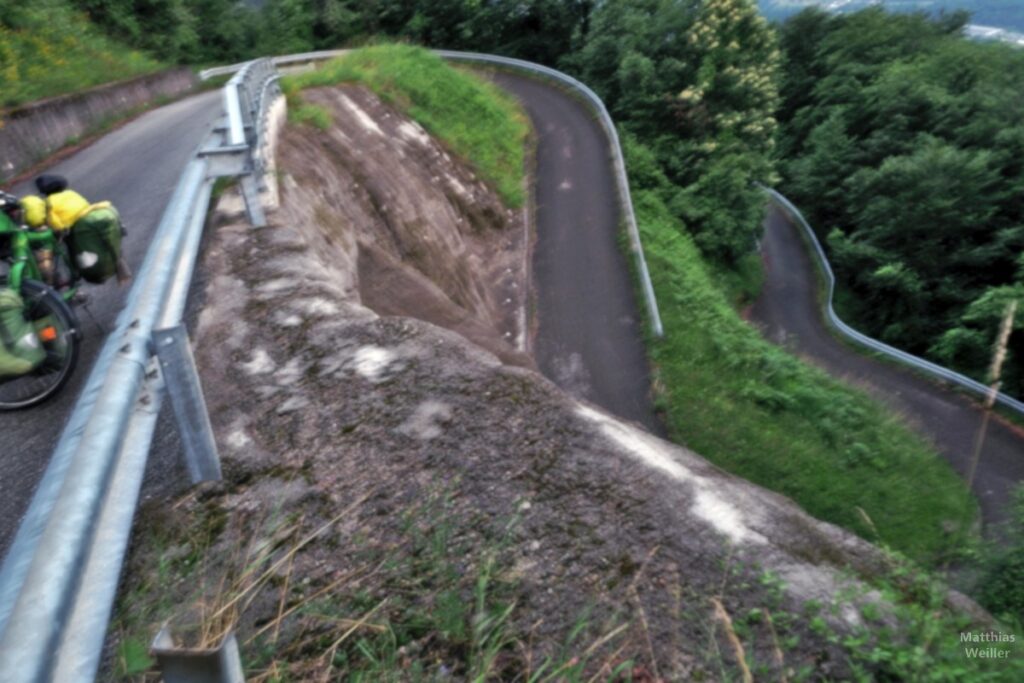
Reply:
x=304 y=113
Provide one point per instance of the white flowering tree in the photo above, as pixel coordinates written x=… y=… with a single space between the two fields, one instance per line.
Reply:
x=695 y=82
x=725 y=114
x=734 y=94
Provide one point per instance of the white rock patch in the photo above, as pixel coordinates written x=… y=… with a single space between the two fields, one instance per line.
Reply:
x=371 y=361
x=361 y=116
x=260 y=364
x=317 y=306
x=292 y=404
x=289 y=320
x=707 y=504
x=426 y=422
x=277 y=285
x=414 y=133
x=238 y=439
x=459 y=188
x=819 y=584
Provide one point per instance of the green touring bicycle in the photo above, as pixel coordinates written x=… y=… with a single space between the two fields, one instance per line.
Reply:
x=34 y=262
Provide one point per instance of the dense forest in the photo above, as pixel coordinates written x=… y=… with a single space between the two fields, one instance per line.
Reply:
x=904 y=145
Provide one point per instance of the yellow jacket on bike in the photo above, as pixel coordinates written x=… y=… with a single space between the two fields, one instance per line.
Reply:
x=60 y=210
x=34 y=209
x=64 y=208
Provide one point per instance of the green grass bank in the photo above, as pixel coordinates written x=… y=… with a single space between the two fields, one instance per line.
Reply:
x=49 y=49
x=760 y=413
x=475 y=119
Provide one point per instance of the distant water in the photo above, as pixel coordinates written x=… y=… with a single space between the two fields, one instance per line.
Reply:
x=990 y=19
x=992 y=33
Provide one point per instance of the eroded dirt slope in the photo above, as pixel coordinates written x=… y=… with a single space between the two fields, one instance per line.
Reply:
x=429 y=239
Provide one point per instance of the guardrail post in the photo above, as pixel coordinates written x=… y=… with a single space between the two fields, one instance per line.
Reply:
x=178 y=366
x=251 y=195
x=222 y=664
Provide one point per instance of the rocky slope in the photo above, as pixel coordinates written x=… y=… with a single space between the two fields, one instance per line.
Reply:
x=437 y=479
x=426 y=238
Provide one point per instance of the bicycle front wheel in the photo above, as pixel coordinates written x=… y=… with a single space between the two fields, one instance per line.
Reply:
x=58 y=332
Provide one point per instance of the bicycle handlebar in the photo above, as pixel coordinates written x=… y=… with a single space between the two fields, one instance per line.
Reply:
x=8 y=202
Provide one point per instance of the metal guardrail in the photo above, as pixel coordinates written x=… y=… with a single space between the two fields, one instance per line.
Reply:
x=848 y=332
x=621 y=180
x=59 y=578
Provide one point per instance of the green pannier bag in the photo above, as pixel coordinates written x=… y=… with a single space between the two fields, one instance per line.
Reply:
x=20 y=349
x=95 y=242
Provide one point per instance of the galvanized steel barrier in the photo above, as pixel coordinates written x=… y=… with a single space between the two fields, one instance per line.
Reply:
x=848 y=332
x=59 y=578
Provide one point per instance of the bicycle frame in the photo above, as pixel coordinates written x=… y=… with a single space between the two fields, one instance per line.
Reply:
x=22 y=243
x=47 y=309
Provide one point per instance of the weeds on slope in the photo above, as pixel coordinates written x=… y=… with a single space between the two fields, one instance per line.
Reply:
x=427 y=605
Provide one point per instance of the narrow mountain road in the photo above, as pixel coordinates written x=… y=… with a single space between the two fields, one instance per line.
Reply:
x=136 y=167
x=789 y=314
x=588 y=338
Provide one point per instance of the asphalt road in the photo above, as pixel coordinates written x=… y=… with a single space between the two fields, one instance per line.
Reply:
x=136 y=167
x=588 y=339
x=789 y=314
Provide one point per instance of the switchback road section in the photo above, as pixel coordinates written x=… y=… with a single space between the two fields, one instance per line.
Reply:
x=789 y=314
x=589 y=338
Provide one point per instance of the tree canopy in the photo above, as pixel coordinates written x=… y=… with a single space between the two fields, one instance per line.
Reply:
x=696 y=83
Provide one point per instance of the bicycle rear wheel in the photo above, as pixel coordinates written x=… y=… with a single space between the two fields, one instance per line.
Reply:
x=57 y=328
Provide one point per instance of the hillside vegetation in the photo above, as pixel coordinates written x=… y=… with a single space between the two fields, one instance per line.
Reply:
x=904 y=146
x=48 y=48
x=750 y=407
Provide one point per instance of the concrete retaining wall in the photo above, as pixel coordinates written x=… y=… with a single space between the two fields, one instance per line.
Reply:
x=32 y=132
